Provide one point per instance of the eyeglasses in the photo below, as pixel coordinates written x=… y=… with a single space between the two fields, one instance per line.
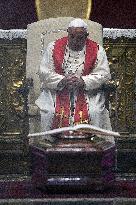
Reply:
x=77 y=36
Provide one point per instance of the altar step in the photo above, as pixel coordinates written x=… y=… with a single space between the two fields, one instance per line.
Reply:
x=21 y=192
x=14 y=155
x=70 y=201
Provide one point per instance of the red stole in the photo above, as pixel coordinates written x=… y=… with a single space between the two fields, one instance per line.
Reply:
x=62 y=109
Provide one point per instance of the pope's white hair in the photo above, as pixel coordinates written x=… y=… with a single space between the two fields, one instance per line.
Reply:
x=78 y=23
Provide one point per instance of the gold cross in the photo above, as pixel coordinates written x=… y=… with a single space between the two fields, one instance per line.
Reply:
x=62 y=115
x=81 y=118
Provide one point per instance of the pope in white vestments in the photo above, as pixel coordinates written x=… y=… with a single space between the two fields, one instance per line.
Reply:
x=72 y=73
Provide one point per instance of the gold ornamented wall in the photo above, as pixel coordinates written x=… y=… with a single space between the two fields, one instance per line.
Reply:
x=122 y=59
x=13 y=110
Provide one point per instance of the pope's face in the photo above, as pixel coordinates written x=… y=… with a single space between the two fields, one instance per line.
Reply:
x=76 y=38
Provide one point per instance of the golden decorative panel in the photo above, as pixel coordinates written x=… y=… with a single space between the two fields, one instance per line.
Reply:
x=12 y=76
x=60 y=8
x=13 y=110
x=122 y=59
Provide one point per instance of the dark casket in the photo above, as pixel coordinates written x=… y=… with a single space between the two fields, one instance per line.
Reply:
x=80 y=163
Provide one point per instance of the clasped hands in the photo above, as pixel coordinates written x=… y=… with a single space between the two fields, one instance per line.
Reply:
x=71 y=82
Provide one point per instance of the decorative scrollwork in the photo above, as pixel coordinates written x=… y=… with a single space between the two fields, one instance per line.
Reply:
x=121 y=56
x=11 y=78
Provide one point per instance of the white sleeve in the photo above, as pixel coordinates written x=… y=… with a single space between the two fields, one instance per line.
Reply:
x=100 y=73
x=48 y=77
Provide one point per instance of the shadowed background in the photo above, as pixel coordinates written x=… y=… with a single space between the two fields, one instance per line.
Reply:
x=111 y=13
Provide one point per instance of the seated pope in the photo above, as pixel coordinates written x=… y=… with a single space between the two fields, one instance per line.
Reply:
x=73 y=71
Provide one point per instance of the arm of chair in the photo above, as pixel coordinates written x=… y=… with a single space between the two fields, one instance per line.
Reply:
x=24 y=90
x=33 y=110
x=109 y=89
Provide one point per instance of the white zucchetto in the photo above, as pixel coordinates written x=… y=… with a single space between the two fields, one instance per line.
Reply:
x=78 y=23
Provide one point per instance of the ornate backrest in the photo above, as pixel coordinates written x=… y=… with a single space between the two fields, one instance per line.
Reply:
x=50 y=8
x=40 y=34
